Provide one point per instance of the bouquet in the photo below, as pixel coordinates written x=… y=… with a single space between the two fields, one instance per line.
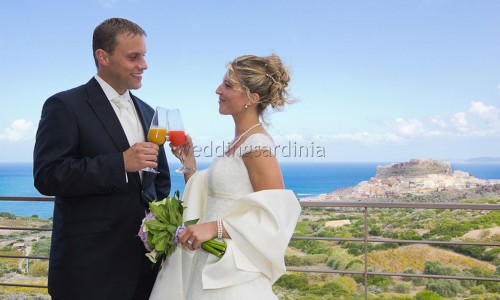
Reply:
x=160 y=229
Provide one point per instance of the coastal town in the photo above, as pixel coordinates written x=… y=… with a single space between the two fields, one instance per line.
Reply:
x=416 y=178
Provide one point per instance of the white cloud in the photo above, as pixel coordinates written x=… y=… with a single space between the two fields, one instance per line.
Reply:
x=19 y=130
x=482 y=109
x=439 y=121
x=479 y=120
x=460 y=121
x=490 y=114
x=411 y=128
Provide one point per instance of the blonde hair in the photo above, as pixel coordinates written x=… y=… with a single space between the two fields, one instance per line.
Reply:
x=266 y=76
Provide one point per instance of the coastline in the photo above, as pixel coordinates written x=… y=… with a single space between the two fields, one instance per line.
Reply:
x=309 y=180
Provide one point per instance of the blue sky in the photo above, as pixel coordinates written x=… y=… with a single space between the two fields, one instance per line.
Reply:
x=374 y=80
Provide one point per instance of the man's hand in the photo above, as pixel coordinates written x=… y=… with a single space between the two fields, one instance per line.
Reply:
x=140 y=155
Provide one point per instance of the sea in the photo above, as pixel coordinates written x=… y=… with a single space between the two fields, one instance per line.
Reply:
x=306 y=179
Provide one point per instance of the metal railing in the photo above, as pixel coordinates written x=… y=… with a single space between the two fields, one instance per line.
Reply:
x=366 y=239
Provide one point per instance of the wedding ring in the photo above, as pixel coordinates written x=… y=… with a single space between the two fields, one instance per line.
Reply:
x=190 y=242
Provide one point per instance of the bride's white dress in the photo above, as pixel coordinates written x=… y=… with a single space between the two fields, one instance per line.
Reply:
x=227 y=180
x=260 y=225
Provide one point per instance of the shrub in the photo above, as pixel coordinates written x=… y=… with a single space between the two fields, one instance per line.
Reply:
x=427 y=295
x=408 y=271
x=383 y=282
x=337 y=288
x=39 y=269
x=307 y=260
x=7 y=215
x=436 y=268
x=41 y=248
x=491 y=255
x=419 y=281
x=479 y=271
x=9 y=265
x=478 y=290
x=293 y=281
x=445 y=288
x=402 y=288
x=492 y=287
x=312 y=247
x=339 y=260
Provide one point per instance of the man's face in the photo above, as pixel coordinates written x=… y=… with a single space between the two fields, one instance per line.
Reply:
x=124 y=67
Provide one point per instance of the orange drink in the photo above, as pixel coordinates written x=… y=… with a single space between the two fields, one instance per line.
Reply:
x=157 y=135
x=177 y=137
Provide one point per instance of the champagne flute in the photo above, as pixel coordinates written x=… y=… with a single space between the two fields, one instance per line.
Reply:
x=157 y=131
x=177 y=136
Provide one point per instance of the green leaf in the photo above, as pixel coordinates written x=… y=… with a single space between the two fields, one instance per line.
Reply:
x=150 y=241
x=179 y=218
x=154 y=225
x=159 y=241
x=159 y=212
x=172 y=229
x=190 y=222
x=173 y=217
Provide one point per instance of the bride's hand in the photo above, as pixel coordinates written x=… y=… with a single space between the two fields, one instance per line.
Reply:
x=185 y=151
x=194 y=235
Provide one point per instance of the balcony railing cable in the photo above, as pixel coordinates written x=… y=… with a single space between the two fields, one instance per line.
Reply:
x=366 y=239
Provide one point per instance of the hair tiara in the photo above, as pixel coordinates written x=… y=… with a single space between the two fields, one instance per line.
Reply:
x=272 y=78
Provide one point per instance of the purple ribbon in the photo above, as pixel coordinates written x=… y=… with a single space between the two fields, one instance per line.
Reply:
x=177 y=231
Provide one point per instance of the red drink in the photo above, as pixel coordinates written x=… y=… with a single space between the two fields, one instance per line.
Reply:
x=177 y=137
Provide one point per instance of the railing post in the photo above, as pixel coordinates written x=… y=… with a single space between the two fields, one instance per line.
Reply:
x=366 y=253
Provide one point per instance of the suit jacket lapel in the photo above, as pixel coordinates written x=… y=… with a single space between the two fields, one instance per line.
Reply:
x=101 y=106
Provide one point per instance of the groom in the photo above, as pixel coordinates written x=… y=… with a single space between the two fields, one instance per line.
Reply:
x=89 y=153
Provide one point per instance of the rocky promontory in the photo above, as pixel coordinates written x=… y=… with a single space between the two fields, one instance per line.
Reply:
x=415 y=168
x=419 y=180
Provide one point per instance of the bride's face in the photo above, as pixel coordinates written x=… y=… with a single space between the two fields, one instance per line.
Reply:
x=232 y=97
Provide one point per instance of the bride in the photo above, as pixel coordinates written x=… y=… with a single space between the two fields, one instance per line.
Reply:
x=240 y=198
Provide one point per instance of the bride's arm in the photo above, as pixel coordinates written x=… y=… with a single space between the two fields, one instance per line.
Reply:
x=263 y=170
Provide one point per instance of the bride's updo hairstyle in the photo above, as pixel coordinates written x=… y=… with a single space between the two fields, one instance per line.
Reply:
x=266 y=76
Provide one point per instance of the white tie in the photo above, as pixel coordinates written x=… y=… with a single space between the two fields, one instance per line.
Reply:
x=128 y=119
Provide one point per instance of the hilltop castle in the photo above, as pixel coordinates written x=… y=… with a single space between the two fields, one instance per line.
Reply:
x=415 y=168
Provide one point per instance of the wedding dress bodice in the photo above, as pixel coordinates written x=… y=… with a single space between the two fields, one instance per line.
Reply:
x=228 y=178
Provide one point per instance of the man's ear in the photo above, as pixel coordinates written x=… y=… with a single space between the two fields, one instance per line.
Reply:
x=101 y=56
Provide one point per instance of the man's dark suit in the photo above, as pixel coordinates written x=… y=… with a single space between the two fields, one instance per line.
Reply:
x=78 y=157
